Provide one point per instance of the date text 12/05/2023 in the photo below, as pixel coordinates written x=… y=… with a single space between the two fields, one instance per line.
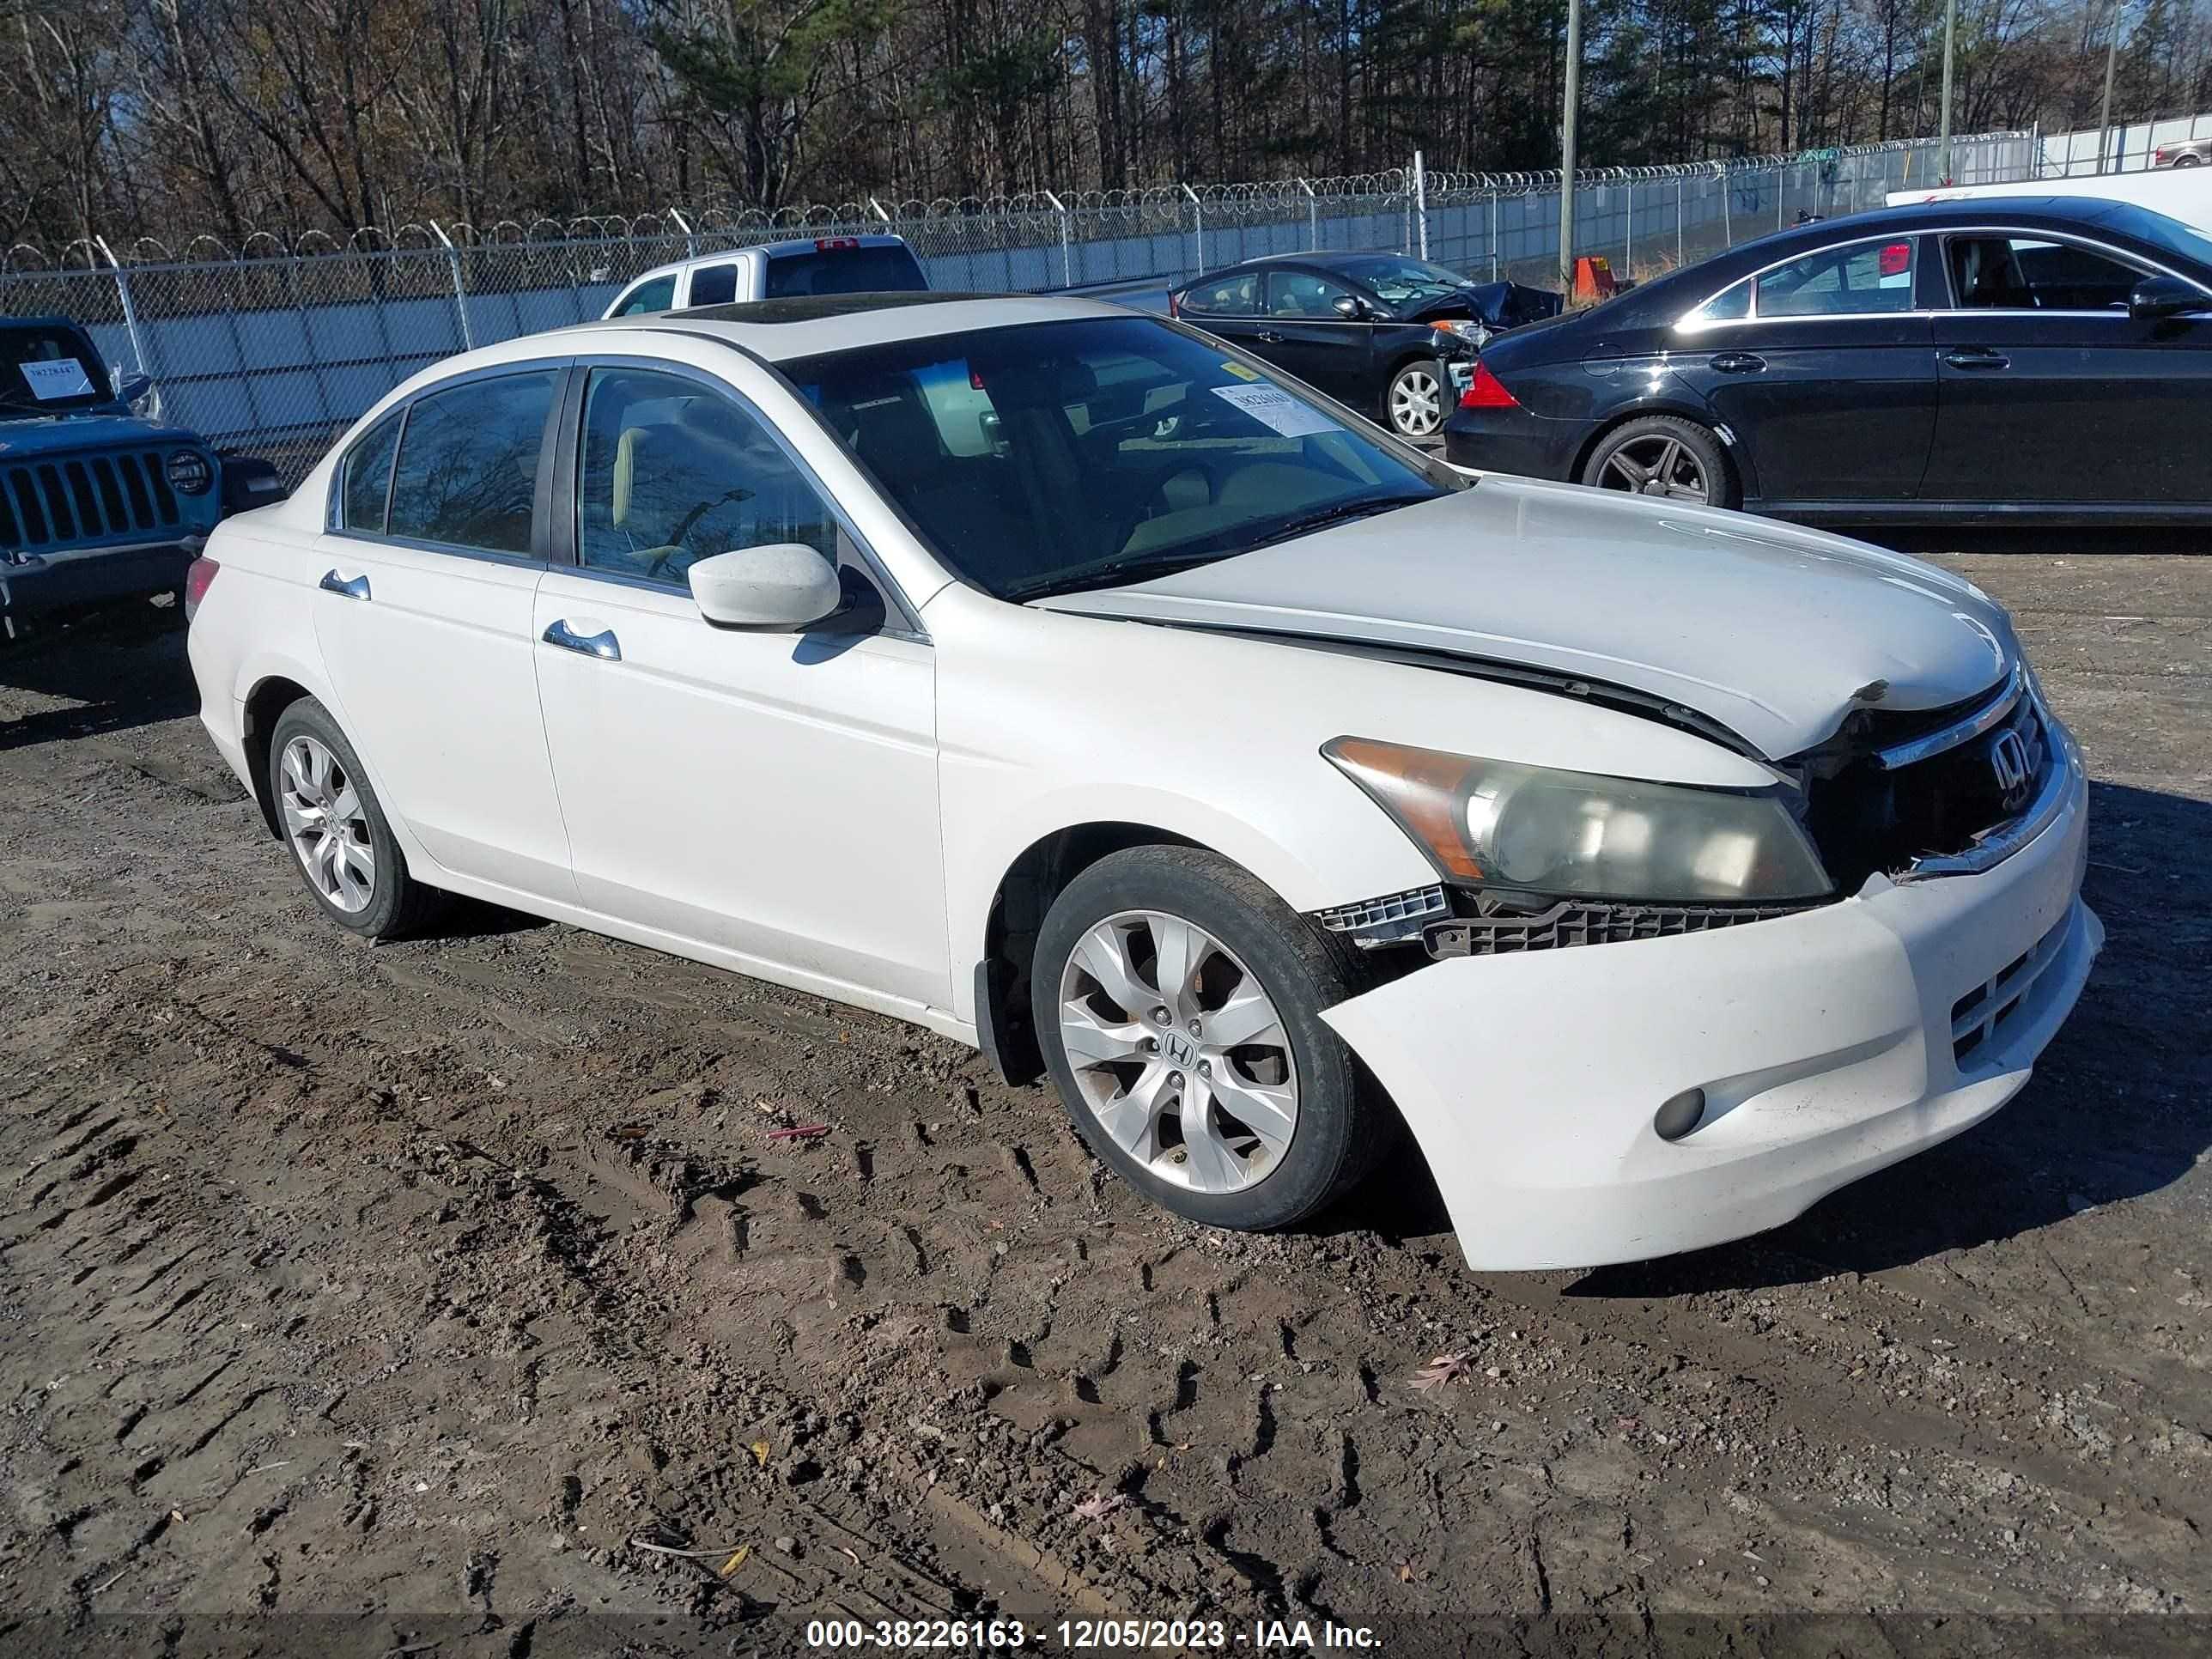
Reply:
x=1090 y=1635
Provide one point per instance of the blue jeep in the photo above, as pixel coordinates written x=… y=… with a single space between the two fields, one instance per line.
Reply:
x=97 y=503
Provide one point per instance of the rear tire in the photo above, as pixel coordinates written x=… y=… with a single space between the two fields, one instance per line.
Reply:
x=1666 y=457
x=335 y=827
x=1240 y=1108
x=2188 y=161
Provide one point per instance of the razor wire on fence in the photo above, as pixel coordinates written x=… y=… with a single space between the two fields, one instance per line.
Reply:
x=276 y=347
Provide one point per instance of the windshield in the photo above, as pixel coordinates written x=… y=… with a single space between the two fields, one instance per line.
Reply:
x=1054 y=457
x=1398 y=281
x=49 y=368
x=2184 y=241
x=831 y=268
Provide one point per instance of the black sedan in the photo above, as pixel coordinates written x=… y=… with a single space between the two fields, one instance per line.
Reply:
x=1974 y=361
x=1377 y=331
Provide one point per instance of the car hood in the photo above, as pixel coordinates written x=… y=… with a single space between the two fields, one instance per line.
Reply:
x=22 y=435
x=1774 y=632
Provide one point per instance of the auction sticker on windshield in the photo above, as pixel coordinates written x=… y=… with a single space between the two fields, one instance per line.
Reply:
x=64 y=377
x=1275 y=408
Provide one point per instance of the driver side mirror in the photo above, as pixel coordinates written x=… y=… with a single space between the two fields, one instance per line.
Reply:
x=781 y=586
x=1349 y=309
x=2167 y=296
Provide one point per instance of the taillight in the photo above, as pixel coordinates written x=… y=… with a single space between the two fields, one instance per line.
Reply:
x=1895 y=260
x=1174 y=305
x=200 y=577
x=1486 y=391
x=834 y=243
x=2158 y=156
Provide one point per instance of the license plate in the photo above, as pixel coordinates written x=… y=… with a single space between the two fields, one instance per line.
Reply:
x=1462 y=375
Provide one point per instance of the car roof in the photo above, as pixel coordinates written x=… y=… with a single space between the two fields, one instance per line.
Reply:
x=1323 y=259
x=1662 y=297
x=804 y=326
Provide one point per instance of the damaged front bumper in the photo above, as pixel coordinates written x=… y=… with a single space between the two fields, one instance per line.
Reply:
x=1828 y=1044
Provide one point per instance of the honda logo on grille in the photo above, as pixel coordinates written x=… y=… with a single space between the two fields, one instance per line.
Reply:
x=2009 y=760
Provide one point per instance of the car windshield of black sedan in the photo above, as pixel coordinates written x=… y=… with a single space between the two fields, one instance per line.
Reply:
x=1054 y=457
x=48 y=370
x=1398 y=281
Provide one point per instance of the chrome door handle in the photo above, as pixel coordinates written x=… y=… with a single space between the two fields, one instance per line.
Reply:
x=603 y=645
x=1739 y=362
x=357 y=588
x=1267 y=338
x=1977 y=357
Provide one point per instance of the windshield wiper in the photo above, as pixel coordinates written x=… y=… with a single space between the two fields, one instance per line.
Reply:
x=1342 y=513
x=1105 y=575
x=1111 y=572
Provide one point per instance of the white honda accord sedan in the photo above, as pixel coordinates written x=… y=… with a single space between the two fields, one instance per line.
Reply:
x=1062 y=681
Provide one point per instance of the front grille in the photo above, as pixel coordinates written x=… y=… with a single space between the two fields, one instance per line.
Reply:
x=1868 y=816
x=89 y=498
x=1581 y=921
x=1983 y=1012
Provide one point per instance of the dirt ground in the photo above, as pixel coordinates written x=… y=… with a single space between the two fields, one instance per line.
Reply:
x=391 y=1300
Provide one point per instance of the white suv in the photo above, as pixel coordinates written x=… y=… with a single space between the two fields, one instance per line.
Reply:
x=776 y=270
x=1185 y=737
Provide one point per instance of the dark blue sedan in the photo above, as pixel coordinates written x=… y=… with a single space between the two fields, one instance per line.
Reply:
x=1971 y=361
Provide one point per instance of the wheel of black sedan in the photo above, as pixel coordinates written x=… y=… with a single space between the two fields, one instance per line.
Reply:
x=1664 y=456
x=1415 y=401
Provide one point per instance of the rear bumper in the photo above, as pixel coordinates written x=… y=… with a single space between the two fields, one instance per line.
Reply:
x=88 y=576
x=1829 y=1044
x=1512 y=440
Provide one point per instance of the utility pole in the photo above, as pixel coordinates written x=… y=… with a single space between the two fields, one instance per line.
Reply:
x=2105 y=120
x=1943 y=144
x=1567 y=148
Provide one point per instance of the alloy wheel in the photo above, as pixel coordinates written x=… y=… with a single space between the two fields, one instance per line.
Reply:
x=327 y=824
x=1656 y=465
x=1416 y=403
x=1180 y=1054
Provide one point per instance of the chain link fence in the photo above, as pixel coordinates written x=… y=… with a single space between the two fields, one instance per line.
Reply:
x=2128 y=148
x=274 y=347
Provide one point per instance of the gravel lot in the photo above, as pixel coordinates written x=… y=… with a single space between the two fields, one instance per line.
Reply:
x=377 y=1299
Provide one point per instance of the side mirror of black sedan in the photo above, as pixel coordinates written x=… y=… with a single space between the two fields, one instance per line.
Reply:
x=1350 y=309
x=2167 y=296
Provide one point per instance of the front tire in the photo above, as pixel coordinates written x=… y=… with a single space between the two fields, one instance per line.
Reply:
x=340 y=840
x=1664 y=456
x=1178 y=1003
x=1415 y=400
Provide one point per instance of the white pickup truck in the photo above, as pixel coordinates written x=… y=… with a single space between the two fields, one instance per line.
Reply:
x=775 y=271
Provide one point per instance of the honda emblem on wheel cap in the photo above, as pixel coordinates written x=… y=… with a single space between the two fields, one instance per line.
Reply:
x=2009 y=760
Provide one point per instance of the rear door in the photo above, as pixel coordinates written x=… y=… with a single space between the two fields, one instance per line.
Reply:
x=2049 y=391
x=1229 y=305
x=1820 y=369
x=1305 y=335
x=430 y=568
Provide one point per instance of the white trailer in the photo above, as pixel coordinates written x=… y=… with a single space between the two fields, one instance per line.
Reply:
x=2183 y=193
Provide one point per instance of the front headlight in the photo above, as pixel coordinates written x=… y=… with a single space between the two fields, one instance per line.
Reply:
x=189 y=471
x=1491 y=824
x=1466 y=328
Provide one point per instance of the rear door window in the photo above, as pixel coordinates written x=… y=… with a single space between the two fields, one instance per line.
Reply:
x=366 y=477
x=467 y=471
x=1231 y=296
x=713 y=285
x=1855 y=280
